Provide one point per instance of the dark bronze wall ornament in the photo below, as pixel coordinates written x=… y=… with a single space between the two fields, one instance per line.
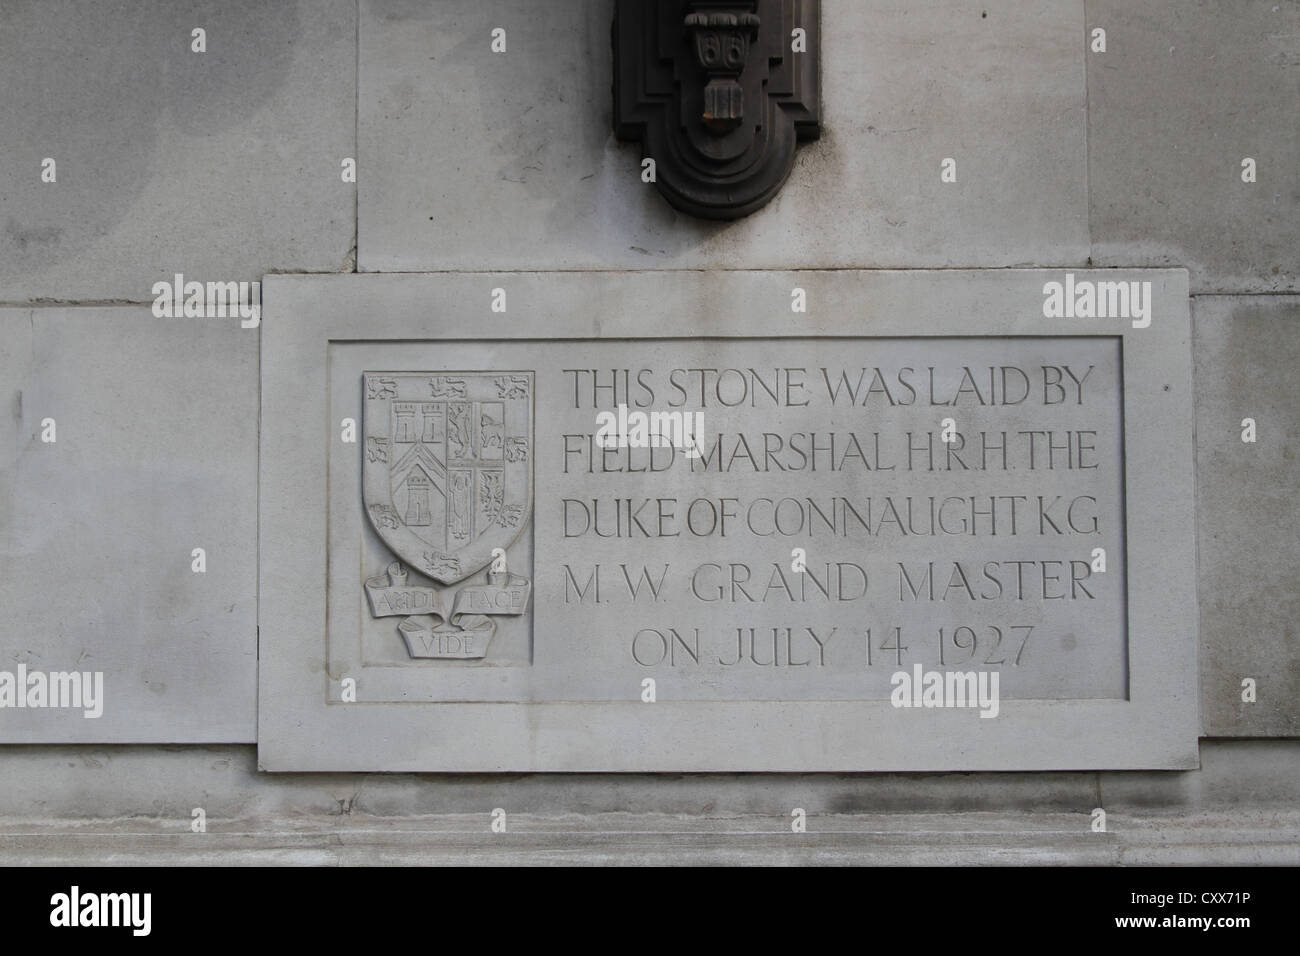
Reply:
x=719 y=94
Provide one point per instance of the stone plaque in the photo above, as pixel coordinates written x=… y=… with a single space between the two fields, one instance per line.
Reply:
x=675 y=522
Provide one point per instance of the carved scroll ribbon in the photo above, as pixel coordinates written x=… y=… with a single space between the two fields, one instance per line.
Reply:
x=430 y=629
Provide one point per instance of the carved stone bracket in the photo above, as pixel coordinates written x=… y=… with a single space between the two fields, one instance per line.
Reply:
x=719 y=94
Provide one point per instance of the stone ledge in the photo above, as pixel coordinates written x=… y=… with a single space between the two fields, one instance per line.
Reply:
x=80 y=788
x=1239 y=837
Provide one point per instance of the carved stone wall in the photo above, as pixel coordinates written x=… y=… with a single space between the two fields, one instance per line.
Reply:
x=146 y=178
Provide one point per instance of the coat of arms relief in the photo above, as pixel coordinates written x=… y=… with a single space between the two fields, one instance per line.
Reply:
x=447 y=479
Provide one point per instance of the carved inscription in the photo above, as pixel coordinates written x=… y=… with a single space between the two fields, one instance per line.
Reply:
x=751 y=519
x=847 y=510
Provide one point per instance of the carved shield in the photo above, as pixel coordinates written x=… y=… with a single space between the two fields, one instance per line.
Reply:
x=447 y=466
